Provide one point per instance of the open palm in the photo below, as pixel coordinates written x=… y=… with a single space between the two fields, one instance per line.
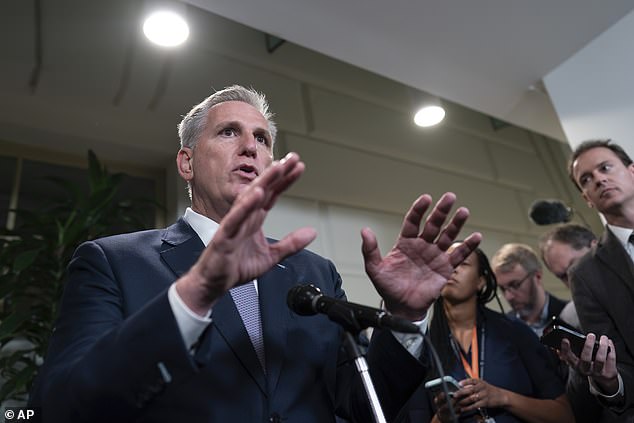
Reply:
x=412 y=274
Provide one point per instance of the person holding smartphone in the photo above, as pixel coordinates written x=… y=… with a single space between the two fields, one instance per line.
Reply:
x=602 y=280
x=561 y=247
x=505 y=374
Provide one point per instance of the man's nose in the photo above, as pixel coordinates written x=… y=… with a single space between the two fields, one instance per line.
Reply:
x=249 y=145
x=599 y=178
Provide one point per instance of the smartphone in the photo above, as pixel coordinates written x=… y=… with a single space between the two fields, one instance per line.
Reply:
x=436 y=385
x=553 y=336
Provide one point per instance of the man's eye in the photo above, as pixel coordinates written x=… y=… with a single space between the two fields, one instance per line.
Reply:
x=228 y=132
x=606 y=167
x=262 y=139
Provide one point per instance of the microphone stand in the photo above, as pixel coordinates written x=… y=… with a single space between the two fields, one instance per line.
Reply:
x=362 y=367
x=352 y=328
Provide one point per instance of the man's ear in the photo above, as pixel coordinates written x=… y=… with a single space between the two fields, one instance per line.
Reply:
x=538 y=276
x=184 y=163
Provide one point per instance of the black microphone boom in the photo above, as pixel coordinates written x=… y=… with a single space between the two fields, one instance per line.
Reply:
x=307 y=300
x=549 y=212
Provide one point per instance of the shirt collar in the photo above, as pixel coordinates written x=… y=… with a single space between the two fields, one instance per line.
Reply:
x=204 y=227
x=622 y=234
x=544 y=318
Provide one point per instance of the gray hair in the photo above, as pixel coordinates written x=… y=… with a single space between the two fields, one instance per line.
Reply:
x=576 y=236
x=193 y=124
x=510 y=255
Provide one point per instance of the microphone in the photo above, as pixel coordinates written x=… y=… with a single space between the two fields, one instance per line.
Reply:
x=307 y=300
x=548 y=212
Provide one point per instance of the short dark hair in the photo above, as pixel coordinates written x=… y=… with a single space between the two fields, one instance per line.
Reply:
x=572 y=234
x=589 y=145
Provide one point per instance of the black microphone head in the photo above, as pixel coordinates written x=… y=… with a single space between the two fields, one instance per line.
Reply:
x=300 y=299
x=548 y=212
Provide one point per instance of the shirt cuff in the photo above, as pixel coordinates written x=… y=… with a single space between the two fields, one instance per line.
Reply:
x=412 y=342
x=594 y=390
x=190 y=324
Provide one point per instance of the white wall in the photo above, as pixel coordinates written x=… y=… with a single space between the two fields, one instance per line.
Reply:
x=593 y=91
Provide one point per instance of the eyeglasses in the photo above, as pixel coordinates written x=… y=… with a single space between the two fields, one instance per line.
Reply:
x=515 y=285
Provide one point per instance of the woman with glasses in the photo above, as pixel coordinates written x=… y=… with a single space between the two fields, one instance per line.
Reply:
x=505 y=374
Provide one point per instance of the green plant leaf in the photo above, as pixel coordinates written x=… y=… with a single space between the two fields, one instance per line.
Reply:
x=19 y=383
x=24 y=260
x=8 y=284
x=9 y=325
x=94 y=170
x=33 y=260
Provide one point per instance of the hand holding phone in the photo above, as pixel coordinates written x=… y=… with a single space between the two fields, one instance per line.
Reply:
x=554 y=334
x=436 y=385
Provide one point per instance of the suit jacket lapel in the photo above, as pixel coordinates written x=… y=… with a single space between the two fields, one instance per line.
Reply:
x=228 y=322
x=181 y=247
x=273 y=287
x=613 y=255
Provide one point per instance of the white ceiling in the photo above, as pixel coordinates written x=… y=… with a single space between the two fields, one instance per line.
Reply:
x=488 y=55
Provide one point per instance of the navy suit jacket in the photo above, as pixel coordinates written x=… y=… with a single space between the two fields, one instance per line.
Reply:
x=116 y=353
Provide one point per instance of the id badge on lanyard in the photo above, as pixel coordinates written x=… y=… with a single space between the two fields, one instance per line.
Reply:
x=483 y=417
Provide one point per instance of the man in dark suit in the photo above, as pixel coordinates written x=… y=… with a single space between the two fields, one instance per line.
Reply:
x=560 y=248
x=602 y=282
x=519 y=276
x=158 y=326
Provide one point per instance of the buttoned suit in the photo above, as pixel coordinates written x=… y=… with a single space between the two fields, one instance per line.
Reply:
x=117 y=353
x=602 y=284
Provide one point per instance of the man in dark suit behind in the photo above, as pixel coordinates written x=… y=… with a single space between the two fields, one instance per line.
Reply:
x=560 y=248
x=602 y=282
x=150 y=329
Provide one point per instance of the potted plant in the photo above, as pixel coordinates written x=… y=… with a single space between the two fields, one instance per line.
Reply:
x=33 y=260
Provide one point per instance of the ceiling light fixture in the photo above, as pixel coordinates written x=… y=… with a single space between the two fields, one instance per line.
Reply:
x=429 y=110
x=166 y=28
x=429 y=116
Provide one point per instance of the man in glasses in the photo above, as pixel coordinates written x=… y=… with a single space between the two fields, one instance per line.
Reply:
x=519 y=275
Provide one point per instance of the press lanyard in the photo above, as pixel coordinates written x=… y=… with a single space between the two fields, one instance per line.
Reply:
x=475 y=370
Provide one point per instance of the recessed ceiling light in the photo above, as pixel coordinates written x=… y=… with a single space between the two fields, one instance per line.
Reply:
x=166 y=28
x=429 y=116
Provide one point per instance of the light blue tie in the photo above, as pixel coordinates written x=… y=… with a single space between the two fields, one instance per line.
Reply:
x=246 y=299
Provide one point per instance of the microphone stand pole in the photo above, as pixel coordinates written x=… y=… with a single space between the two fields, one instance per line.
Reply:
x=362 y=367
